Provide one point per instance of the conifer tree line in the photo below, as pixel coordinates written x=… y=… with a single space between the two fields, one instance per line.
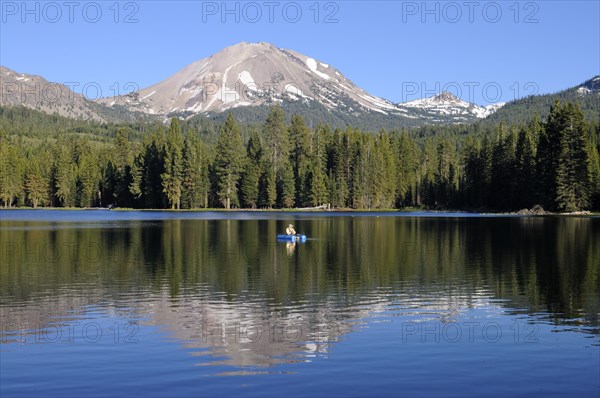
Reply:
x=554 y=163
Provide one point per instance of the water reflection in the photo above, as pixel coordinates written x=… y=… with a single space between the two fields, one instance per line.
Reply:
x=227 y=289
x=290 y=247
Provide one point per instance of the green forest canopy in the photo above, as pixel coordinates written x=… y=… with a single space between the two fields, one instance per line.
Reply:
x=48 y=160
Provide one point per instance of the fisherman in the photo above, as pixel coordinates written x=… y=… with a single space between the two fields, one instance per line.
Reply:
x=290 y=230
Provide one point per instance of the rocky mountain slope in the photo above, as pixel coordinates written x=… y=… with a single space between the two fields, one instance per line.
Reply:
x=35 y=92
x=248 y=77
x=254 y=74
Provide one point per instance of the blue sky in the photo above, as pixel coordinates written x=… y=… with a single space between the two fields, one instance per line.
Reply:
x=400 y=50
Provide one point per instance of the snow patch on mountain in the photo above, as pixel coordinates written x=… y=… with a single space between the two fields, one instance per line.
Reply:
x=312 y=65
x=378 y=102
x=246 y=78
x=583 y=90
x=292 y=89
x=491 y=109
x=193 y=92
x=148 y=96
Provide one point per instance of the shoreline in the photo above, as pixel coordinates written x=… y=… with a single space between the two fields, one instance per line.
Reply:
x=584 y=213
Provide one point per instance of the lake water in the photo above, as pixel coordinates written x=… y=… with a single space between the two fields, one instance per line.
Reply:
x=106 y=303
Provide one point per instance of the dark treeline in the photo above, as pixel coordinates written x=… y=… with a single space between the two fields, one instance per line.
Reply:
x=280 y=164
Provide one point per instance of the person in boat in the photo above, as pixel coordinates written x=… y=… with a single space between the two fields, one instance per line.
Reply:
x=290 y=230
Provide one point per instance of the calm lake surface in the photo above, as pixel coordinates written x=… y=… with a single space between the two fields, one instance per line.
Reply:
x=106 y=303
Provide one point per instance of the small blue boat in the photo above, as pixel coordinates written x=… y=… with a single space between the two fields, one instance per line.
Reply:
x=291 y=238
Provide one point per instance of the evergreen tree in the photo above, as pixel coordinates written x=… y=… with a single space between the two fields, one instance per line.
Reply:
x=341 y=167
x=252 y=171
x=563 y=159
x=286 y=186
x=195 y=174
x=316 y=180
x=276 y=151
x=572 y=178
x=430 y=167
x=88 y=180
x=11 y=170
x=152 y=168
x=137 y=178
x=362 y=195
x=407 y=173
x=383 y=172
x=120 y=177
x=503 y=170
x=268 y=187
x=65 y=174
x=525 y=158
x=472 y=179
x=300 y=143
x=594 y=175
x=36 y=183
x=172 y=154
x=228 y=162
x=548 y=153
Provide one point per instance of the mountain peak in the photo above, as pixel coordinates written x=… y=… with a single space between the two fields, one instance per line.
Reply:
x=239 y=52
x=248 y=46
x=252 y=74
x=446 y=96
x=246 y=74
x=449 y=105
